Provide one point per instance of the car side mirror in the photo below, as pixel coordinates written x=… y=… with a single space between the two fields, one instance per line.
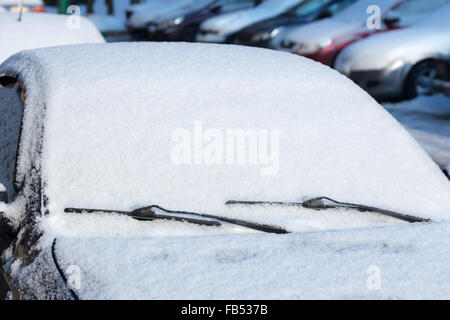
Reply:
x=391 y=21
x=3 y=194
x=446 y=171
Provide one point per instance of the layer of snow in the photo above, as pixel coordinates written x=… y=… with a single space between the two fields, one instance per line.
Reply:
x=426 y=38
x=351 y=20
x=111 y=146
x=403 y=262
x=234 y=21
x=38 y=30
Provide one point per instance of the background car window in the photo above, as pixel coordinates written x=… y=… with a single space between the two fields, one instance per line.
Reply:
x=10 y=122
x=309 y=6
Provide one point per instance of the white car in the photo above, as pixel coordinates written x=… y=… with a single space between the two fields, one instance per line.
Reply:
x=141 y=16
x=319 y=34
x=406 y=68
x=197 y=171
x=38 y=30
x=223 y=28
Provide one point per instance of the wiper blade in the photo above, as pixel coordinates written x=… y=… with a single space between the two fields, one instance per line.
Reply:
x=323 y=203
x=149 y=213
x=146 y=214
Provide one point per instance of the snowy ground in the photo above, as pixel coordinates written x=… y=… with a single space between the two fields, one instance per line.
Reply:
x=428 y=120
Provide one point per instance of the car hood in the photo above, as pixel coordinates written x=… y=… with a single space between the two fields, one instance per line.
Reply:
x=322 y=30
x=235 y=21
x=146 y=13
x=407 y=46
x=270 y=24
x=330 y=265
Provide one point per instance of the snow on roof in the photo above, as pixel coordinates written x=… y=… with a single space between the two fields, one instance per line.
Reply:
x=38 y=30
x=116 y=115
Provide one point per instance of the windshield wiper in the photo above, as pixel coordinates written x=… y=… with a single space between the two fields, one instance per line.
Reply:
x=149 y=213
x=323 y=203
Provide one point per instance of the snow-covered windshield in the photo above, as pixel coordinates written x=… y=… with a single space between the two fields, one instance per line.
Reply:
x=175 y=134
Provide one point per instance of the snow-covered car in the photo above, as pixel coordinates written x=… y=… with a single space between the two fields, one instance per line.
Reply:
x=184 y=27
x=442 y=81
x=144 y=17
x=187 y=157
x=262 y=33
x=38 y=30
x=406 y=66
x=27 y=5
x=309 y=39
x=224 y=28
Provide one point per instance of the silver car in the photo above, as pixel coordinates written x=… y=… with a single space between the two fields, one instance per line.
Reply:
x=399 y=63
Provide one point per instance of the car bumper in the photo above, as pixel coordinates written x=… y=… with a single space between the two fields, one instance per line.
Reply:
x=383 y=83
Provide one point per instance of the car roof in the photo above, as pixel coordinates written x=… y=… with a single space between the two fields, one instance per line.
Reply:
x=38 y=30
x=114 y=115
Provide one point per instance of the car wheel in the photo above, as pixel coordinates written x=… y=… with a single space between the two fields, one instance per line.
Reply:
x=189 y=33
x=420 y=79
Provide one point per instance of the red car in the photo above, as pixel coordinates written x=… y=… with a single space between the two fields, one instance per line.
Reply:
x=398 y=16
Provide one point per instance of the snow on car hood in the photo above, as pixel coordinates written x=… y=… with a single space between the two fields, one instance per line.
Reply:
x=38 y=30
x=116 y=123
x=234 y=21
x=349 y=21
x=425 y=39
x=323 y=265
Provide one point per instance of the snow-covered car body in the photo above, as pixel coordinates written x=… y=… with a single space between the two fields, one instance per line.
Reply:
x=43 y=30
x=121 y=147
x=405 y=69
x=223 y=29
x=320 y=34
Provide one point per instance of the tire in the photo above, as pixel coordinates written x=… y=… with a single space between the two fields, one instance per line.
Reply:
x=420 y=79
x=189 y=33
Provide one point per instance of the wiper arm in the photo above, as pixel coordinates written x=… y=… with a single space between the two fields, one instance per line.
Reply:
x=149 y=213
x=323 y=203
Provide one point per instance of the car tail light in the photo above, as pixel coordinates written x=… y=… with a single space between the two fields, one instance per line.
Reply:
x=39 y=9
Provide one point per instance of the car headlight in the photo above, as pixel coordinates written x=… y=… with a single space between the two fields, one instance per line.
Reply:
x=267 y=35
x=312 y=47
x=170 y=23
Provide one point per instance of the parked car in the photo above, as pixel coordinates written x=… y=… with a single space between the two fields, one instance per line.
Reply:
x=78 y=170
x=406 y=68
x=400 y=15
x=144 y=16
x=442 y=81
x=224 y=28
x=38 y=30
x=321 y=40
x=184 y=27
x=27 y=5
x=261 y=33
